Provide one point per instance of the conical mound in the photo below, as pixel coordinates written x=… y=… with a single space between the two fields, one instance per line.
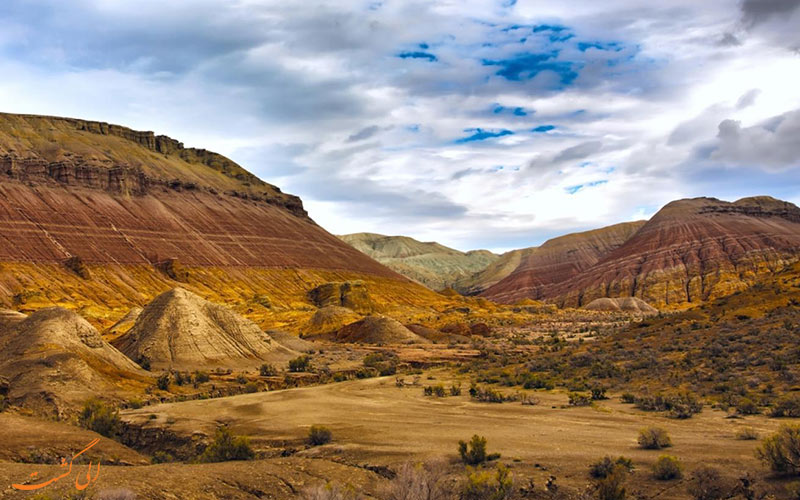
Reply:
x=378 y=330
x=55 y=360
x=181 y=330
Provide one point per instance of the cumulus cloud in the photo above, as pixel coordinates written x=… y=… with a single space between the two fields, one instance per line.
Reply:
x=773 y=144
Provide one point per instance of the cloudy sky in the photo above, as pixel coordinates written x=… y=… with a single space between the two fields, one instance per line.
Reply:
x=480 y=124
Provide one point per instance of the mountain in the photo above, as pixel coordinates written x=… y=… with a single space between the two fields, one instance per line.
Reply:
x=435 y=266
x=179 y=330
x=104 y=218
x=557 y=260
x=55 y=360
x=494 y=272
x=694 y=250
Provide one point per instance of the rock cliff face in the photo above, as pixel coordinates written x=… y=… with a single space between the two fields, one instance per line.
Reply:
x=93 y=214
x=693 y=250
x=557 y=260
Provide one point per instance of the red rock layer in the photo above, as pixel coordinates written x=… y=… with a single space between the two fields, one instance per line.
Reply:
x=559 y=259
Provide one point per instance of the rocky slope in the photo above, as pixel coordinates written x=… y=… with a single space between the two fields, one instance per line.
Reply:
x=557 y=260
x=622 y=304
x=435 y=266
x=694 y=250
x=180 y=330
x=105 y=218
x=494 y=272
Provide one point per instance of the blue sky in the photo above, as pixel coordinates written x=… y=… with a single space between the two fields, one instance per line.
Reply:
x=479 y=124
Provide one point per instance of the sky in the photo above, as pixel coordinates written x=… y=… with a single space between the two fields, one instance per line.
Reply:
x=477 y=124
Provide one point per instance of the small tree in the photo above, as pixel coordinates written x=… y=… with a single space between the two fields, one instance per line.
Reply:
x=604 y=467
x=667 y=467
x=654 y=438
x=319 y=435
x=474 y=452
x=267 y=370
x=781 y=451
x=300 y=363
x=227 y=447
x=163 y=381
x=97 y=416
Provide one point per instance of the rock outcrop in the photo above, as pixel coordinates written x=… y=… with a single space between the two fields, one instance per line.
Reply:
x=432 y=264
x=182 y=331
x=352 y=295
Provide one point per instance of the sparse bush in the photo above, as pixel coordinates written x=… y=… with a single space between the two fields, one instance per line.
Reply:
x=747 y=434
x=227 y=447
x=579 y=399
x=419 y=482
x=667 y=467
x=435 y=390
x=612 y=485
x=474 y=451
x=319 y=435
x=182 y=378
x=680 y=405
x=162 y=382
x=707 y=484
x=241 y=379
x=787 y=406
x=135 y=403
x=118 y=494
x=781 y=451
x=489 y=395
x=654 y=438
x=162 y=457
x=455 y=390
x=628 y=398
x=300 y=363
x=599 y=394
x=605 y=466
x=201 y=377
x=384 y=363
x=488 y=485
x=267 y=370
x=251 y=387
x=99 y=417
x=747 y=406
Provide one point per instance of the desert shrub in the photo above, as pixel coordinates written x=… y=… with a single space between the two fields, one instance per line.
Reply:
x=605 y=466
x=300 y=363
x=489 y=395
x=787 y=406
x=781 y=451
x=434 y=390
x=182 y=378
x=162 y=457
x=707 y=484
x=599 y=393
x=319 y=435
x=680 y=405
x=612 y=485
x=201 y=377
x=531 y=381
x=384 y=363
x=747 y=434
x=487 y=485
x=227 y=447
x=628 y=398
x=419 y=482
x=241 y=379
x=474 y=451
x=267 y=370
x=747 y=406
x=455 y=390
x=579 y=399
x=667 y=467
x=654 y=438
x=99 y=417
x=251 y=387
x=135 y=403
x=162 y=382
x=117 y=494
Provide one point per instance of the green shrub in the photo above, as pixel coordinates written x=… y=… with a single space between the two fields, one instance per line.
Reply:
x=241 y=379
x=251 y=387
x=97 y=416
x=654 y=438
x=319 y=435
x=667 y=467
x=474 y=451
x=135 y=403
x=227 y=447
x=267 y=370
x=488 y=485
x=781 y=451
x=300 y=363
x=747 y=406
x=605 y=466
x=599 y=394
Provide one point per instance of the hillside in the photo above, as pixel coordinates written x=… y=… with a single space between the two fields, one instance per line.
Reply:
x=557 y=260
x=104 y=218
x=435 y=266
x=494 y=272
x=693 y=250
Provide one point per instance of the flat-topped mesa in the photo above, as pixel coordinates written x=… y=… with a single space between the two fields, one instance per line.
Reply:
x=50 y=158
